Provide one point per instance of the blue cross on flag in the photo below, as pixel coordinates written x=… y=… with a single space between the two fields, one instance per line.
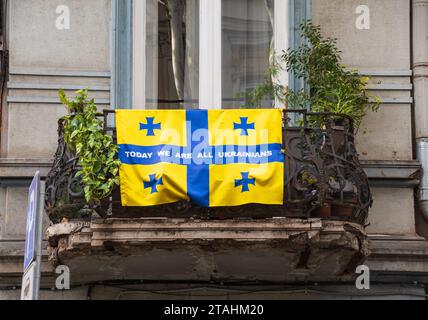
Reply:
x=212 y=158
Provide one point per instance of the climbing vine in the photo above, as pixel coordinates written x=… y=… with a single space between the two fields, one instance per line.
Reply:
x=96 y=152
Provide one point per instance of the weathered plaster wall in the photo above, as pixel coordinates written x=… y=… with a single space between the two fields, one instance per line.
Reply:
x=44 y=59
x=380 y=139
x=392 y=211
x=32 y=130
x=13 y=213
x=385 y=45
x=85 y=46
x=382 y=51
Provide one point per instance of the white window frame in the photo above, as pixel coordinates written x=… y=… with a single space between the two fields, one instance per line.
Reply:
x=210 y=51
x=281 y=39
x=139 y=54
x=210 y=63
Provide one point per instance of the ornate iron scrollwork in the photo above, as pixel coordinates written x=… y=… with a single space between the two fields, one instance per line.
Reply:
x=323 y=170
x=64 y=192
x=323 y=178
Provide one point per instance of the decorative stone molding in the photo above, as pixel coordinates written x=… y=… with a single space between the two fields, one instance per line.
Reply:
x=272 y=250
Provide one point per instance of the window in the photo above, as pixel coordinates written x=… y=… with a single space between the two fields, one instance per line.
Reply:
x=247 y=39
x=198 y=53
x=166 y=54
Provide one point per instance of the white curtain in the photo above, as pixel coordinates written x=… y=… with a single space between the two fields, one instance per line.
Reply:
x=246 y=43
x=172 y=51
x=172 y=44
x=191 y=84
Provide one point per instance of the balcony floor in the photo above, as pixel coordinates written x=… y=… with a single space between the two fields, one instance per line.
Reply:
x=271 y=250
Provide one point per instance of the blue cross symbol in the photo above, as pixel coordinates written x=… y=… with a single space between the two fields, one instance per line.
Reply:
x=153 y=184
x=150 y=126
x=245 y=182
x=244 y=126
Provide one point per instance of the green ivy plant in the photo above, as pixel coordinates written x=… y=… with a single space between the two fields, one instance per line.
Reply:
x=333 y=88
x=96 y=152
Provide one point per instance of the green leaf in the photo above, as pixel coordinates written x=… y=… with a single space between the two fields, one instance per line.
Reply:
x=95 y=150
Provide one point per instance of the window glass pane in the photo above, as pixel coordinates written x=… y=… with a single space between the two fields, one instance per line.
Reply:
x=172 y=54
x=247 y=39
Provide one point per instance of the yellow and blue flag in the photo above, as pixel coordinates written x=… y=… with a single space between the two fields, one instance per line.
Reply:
x=212 y=158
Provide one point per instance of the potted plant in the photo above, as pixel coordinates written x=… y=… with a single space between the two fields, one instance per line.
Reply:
x=97 y=156
x=337 y=95
x=332 y=87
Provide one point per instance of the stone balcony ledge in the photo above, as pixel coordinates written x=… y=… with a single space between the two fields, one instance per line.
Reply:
x=271 y=250
x=392 y=258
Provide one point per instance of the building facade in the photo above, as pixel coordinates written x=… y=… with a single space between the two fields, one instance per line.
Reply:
x=205 y=54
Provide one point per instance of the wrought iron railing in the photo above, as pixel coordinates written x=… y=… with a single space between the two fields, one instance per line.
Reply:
x=323 y=178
